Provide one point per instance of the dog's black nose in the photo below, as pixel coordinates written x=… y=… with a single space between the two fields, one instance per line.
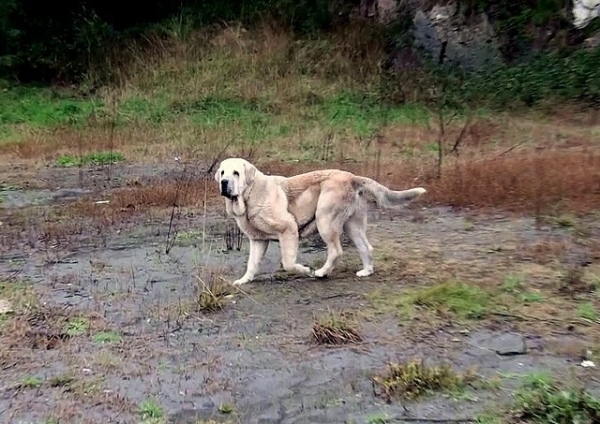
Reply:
x=224 y=186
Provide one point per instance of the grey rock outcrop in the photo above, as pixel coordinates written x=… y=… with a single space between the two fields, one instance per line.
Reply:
x=450 y=37
x=584 y=11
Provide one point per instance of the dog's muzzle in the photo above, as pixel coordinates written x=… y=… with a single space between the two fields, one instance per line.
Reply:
x=226 y=189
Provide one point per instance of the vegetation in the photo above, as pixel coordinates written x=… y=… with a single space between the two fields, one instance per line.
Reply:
x=543 y=400
x=211 y=290
x=414 y=379
x=459 y=300
x=336 y=328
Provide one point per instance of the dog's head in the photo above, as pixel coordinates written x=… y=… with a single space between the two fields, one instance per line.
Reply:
x=234 y=176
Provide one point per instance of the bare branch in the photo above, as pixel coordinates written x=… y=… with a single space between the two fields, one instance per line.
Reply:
x=461 y=135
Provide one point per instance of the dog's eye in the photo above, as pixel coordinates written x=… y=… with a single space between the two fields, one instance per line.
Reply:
x=222 y=173
x=235 y=173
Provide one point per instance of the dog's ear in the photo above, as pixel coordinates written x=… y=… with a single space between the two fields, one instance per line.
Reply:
x=217 y=175
x=249 y=172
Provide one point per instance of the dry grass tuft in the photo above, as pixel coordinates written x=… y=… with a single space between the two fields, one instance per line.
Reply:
x=335 y=328
x=543 y=251
x=415 y=379
x=572 y=282
x=162 y=193
x=211 y=289
x=45 y=327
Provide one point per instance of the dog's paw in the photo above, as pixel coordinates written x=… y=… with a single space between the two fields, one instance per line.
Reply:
x=365 y=272
x=301 y=269
x=319 y=273
x=240 y=282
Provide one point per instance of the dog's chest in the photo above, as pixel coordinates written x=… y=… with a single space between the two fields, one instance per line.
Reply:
x=256 y=229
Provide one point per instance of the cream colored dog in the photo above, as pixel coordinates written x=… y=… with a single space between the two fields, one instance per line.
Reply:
x=270 y=207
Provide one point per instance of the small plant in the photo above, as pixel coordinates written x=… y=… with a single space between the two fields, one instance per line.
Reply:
x=414 y=379
x=513 y=284
x=335 y=329
x=76 y=327
x=573 y=282
x=97 y=158
x=226 y=408
x=31 y=381
x=211 y=290
x=149 y=409
x=463 y=300
x=533 y=297
x=542 y=400
x=378 y=419
x=107 y=337
x=61 y=380
x=469 y=225
x=566 y=221
x=587 y=311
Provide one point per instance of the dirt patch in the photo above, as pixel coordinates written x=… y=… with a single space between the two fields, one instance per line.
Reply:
x=118 y=325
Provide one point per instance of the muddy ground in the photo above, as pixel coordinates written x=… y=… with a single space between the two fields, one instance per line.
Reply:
x=254 y=361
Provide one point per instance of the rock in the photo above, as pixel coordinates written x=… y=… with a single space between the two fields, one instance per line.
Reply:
x=384 y=11
x=446 y=34
x=592 y=42
x=584 y=11
x=504 y=344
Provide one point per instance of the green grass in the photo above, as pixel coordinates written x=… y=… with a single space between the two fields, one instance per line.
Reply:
x=150 y=410
x=226 y=408
x=107 y=337
x=31 y=381
x=588 y=311
x=41 y=108
x=513 y=284
x=245 y=121
x=363 y=115
x=379 y=418
x=542 y=400
x=96 y=158
x=532 y=297
x=61 y=380
x=76 y=327
x=516 y=285
x=462 y=300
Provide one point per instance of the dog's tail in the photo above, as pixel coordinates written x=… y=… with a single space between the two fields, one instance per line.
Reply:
x=383 y=195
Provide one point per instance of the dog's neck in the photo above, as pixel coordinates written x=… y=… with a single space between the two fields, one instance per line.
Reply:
x=237 y=206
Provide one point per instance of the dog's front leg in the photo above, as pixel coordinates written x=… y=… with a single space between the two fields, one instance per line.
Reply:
x=289 y=252
x=257 y=252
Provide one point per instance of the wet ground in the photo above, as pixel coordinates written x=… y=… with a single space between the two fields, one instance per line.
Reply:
x=144 y=339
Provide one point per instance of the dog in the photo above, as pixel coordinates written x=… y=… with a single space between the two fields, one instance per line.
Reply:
x=272 y=207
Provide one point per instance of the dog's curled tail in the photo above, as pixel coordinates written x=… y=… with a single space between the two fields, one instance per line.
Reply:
x=384 y=196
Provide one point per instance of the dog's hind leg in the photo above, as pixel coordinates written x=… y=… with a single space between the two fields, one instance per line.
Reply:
x=329 y=220
x=331 y=237
x=257 y=252
x=355 y=228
